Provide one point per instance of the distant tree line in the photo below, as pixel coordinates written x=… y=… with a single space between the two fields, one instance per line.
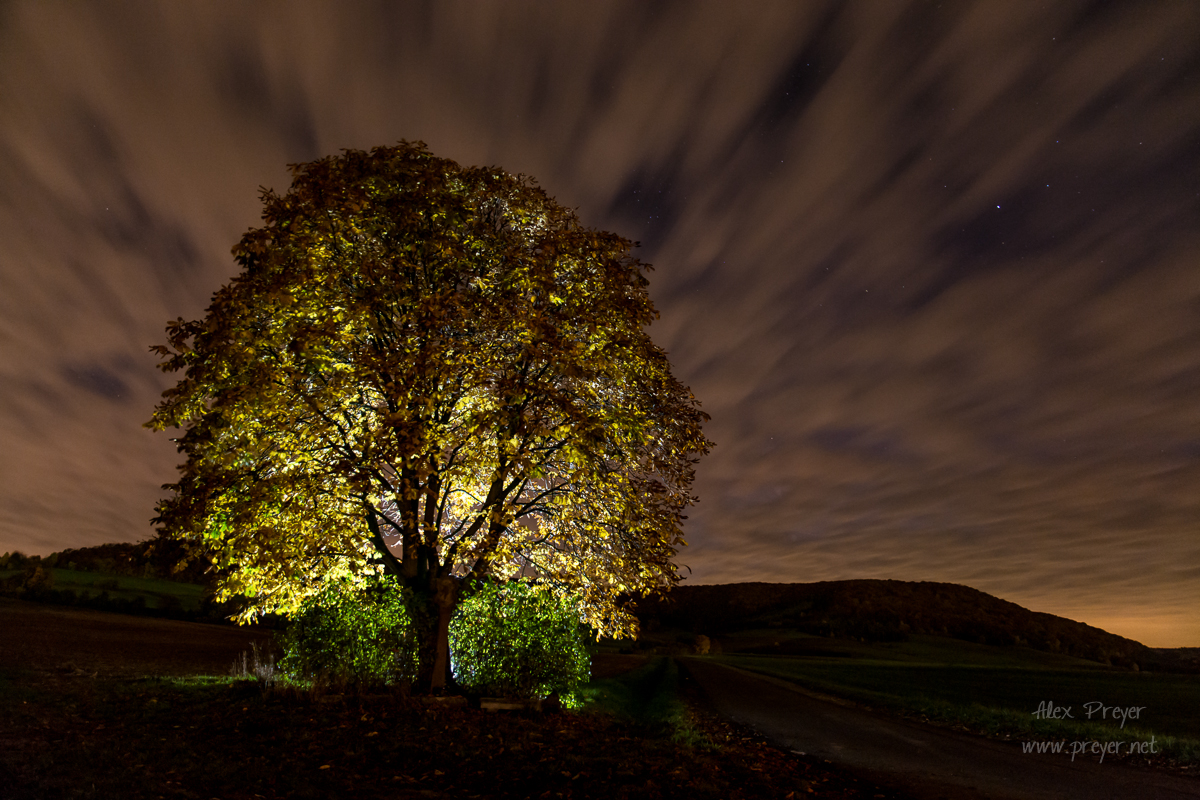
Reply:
x=159 y=557
x=32 y=578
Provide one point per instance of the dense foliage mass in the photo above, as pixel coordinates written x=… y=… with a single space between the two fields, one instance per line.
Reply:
x=513 y=641
x=435 y=372
x=506 y=640
x=345 y=634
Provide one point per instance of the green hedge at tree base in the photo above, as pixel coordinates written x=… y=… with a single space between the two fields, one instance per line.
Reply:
x=348 y=635
x=506 y=640
x=513 y=640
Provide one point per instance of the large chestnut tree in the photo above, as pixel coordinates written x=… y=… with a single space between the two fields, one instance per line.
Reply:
x=434 y=372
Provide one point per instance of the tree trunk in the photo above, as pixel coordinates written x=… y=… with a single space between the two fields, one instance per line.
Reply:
x=435 y=601
x=434 y=675
x=446 y=599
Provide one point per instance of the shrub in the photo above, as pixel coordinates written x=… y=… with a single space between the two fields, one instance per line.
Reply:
x=352 y=635
x=517 y=641
x=38 y=580
x=14 y=560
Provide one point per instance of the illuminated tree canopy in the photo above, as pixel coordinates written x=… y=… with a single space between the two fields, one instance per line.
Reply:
x=436 y=372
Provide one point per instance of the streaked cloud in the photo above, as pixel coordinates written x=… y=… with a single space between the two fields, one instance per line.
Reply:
x=931 y=269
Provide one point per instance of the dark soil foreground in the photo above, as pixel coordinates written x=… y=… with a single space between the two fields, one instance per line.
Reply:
x=86 y=711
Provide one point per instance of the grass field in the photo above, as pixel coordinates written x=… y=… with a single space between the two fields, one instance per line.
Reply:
x=649 y=696
x=940 y=650
x=997 y=690
x=154 y=592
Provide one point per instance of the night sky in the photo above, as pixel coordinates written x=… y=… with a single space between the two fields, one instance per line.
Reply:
x=933 y=268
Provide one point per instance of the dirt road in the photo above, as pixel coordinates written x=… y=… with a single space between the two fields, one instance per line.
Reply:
x=921 y=761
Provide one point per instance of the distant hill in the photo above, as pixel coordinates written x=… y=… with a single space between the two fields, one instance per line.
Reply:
x=866 y=610
x=887 y=610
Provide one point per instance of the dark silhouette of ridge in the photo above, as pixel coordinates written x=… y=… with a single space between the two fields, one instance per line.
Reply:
x=890 y=610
